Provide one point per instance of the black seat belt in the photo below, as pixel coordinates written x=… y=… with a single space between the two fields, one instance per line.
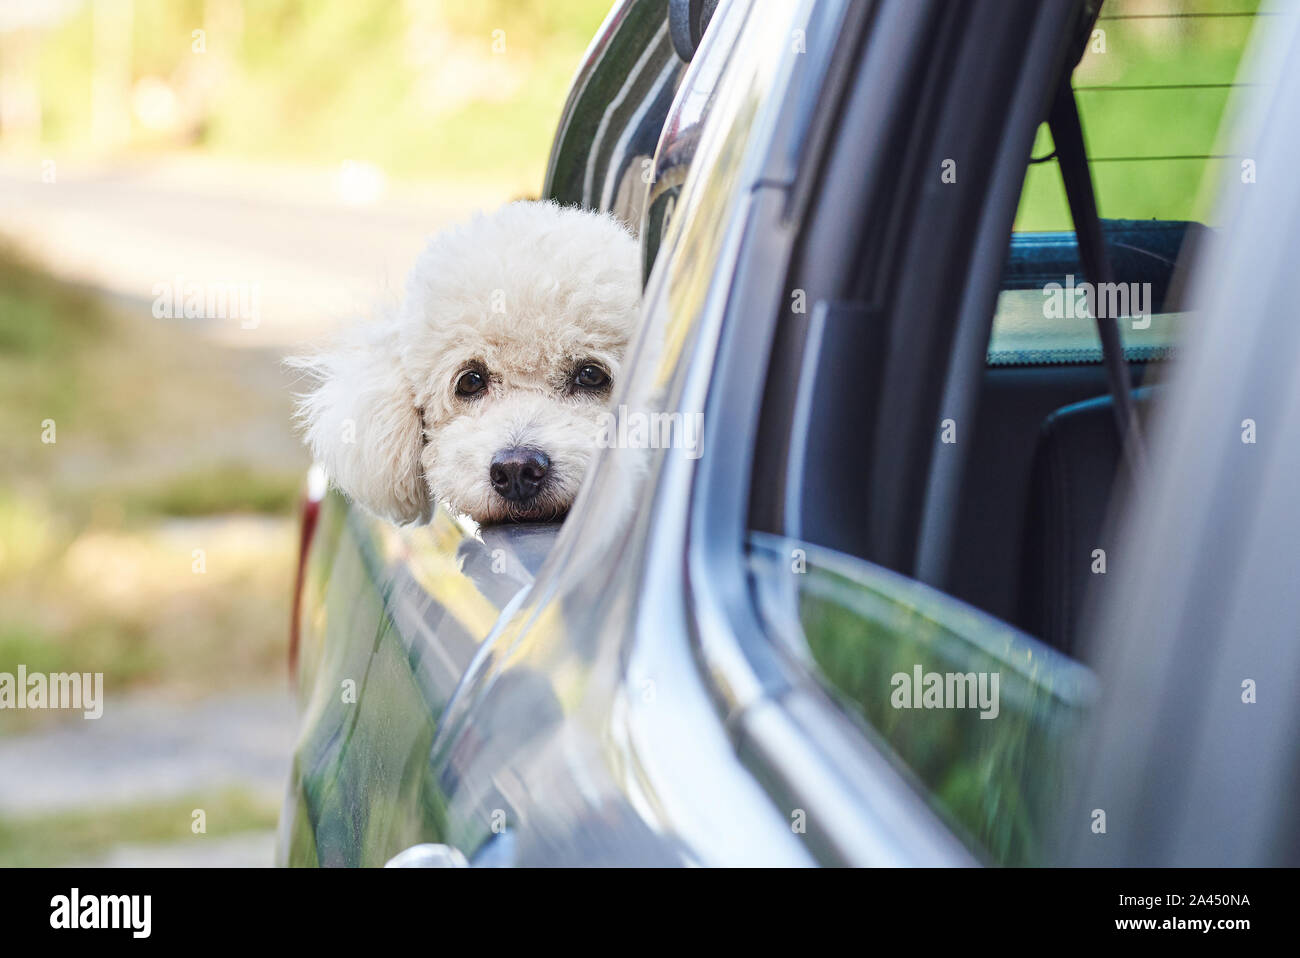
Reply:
x=1072 y=158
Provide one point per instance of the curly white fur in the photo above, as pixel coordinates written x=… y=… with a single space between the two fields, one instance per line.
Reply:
x=528 y=294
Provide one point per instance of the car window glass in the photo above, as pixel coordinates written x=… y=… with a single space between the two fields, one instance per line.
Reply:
x=1154 y=87
x=980 y=715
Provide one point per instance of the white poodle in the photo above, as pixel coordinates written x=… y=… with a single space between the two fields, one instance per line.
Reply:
x=487 y=387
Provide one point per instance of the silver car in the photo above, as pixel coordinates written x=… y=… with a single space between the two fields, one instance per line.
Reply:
x=894 y=562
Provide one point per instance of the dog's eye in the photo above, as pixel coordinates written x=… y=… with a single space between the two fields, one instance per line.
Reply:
x=591 y=377
x=471 y=382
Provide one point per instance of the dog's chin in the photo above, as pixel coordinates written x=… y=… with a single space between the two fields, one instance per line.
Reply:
x=538 y=509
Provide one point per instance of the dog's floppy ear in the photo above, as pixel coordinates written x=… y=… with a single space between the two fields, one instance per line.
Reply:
x=362 y=423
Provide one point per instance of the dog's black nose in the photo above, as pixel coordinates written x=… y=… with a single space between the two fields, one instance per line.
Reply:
x=517 y=473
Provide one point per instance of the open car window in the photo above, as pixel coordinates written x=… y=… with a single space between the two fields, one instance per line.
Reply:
x=1016 y=535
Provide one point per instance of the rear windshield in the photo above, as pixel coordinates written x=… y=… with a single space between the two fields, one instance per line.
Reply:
x=1154 y=89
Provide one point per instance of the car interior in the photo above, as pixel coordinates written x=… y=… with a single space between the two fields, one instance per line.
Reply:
x=1047 y=471
x=1046 y=456
x=1115 y=198
x=1047 y=462
x=1116 y=195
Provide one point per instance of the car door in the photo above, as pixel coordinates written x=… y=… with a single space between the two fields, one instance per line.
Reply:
x=389 y=621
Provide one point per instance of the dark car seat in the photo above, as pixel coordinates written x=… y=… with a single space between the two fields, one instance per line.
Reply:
x=1077 y=469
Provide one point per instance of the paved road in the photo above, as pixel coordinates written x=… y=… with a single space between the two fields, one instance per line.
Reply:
x=251 y=850
x=319 y=252
x=147 y=749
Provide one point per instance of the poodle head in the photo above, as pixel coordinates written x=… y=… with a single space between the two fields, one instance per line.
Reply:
x=486 y=389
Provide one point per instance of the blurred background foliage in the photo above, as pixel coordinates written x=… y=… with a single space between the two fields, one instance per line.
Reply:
x=419 y=88
x=150 y=459
x=286 y=143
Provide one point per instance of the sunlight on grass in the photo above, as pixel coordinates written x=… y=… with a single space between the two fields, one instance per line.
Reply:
x=149 y=541
x=196 y=604
x=224 y=488
x=86 y=834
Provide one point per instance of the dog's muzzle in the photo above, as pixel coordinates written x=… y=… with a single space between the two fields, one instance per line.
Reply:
x=519 y=473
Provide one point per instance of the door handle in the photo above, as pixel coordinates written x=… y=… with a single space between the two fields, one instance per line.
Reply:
x=497 y=852
x=428 y=856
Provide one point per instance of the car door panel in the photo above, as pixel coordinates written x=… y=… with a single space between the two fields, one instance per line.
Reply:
x=390 y=621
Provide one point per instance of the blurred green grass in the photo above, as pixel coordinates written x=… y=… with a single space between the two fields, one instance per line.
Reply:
x=83 y=835
x=98 y=530
x=117 y=388
x=43 y=328
x=226 y=487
